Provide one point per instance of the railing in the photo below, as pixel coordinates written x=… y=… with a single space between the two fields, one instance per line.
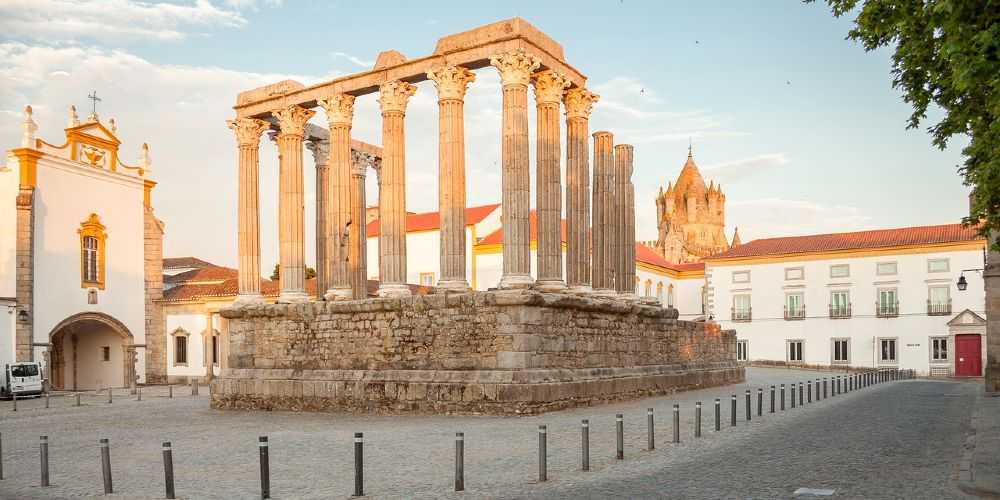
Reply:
x=744 y=315
x=795 y=313
x=840 y=311
x=887 y=310
x=938 y=308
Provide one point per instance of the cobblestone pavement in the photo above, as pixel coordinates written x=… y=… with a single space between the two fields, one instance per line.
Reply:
x=896 y=440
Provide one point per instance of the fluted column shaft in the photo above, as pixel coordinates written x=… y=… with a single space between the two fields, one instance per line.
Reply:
x=603 y=214
x=392 y=190
x=339 y=114
x=625 y=196
x=515 y=69
x=291 y=203
x=321 y=152
x=549 y=88
x=451 y=82
x=358 y=254
x=578 y=106
x=248 y=131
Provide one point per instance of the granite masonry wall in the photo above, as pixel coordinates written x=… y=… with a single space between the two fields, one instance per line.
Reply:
x=503 y=352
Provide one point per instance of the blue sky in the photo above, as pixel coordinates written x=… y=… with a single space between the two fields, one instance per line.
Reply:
x=800 y=126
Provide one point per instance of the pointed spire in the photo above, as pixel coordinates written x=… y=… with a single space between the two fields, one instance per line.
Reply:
x=689 y=147
x=736 y=238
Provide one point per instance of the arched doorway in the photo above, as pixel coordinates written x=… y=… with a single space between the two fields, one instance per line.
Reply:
x=91 y=350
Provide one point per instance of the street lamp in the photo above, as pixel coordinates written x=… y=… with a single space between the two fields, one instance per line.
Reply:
x=962 y=282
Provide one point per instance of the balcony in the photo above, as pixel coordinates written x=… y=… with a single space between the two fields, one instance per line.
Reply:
x=840 y=311
x=939 y=308
x=795 y=313
x=887 y=309
x=742 y=315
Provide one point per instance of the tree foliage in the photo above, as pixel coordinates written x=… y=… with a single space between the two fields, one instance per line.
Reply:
x=947 y=53
x=310 y=273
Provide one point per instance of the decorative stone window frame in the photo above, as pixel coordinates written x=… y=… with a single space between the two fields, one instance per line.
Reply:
x=792 y=272
x=745 y=343
x=801 y=353
x=947 y=265
x=180 y=332
x=92 y=228
x=833 y=351
x=946 y=360
x=839 y=266
x=878 y=351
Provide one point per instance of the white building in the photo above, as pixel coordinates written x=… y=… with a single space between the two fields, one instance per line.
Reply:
x=80 y=253
x=883 y=298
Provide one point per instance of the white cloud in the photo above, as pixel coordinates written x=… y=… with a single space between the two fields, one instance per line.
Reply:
x=356 y=60
x=735 y=170
x=253 y=4
x=774 y=217
x=46 y=20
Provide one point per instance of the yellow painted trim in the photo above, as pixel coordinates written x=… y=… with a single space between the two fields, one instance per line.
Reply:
x=28 y=170
x=147 y=188
x=669 y=272
x=472 y=272
x=851 y=254
x=92 y=227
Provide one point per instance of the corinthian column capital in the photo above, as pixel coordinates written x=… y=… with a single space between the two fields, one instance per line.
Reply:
x=320 y=149
x=549 y=86
x=394 y=95
x=515 y=67
x=360 y=162
x=248 y=130
x=451 y=81
x=579 y=102
x=292 y=119
x=339 y=109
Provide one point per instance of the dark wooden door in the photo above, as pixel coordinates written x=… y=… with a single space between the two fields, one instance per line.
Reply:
x=968 y=356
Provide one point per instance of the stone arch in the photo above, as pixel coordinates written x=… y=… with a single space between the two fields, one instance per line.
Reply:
x=68 y=369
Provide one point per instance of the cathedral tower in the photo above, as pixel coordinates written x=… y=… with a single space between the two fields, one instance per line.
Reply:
x=690 y=217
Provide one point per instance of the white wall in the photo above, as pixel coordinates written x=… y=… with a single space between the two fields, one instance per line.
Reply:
x=768 y=331
x=9 y=180
x=194 y=324
x=8 y=315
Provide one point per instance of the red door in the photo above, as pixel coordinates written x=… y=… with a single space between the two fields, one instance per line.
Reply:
x=968 y=356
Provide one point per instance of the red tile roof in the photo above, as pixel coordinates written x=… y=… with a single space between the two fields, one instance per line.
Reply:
x=211 y=273
x=182 y=262
x=497 y=236
x=432 y=220
x=649 y=256
x=878 y=238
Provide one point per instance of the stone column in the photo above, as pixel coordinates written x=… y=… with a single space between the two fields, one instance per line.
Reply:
x=207 y=351
x=291 y=203
x=451 y=83
x=603 y=214
x=578 y=106
x=549 y=89
x=321 y=152
x=393 y=97
x=625 y=196
x=515 y=70
x=357 y=238
x=339 y=114
x=248 y=131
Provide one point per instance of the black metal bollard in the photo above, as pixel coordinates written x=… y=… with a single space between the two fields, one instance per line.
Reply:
x=359 y=464
x=106 y=466
x=265 y=467
x=718 y=415
x=43 y=453
x=170 y=391
x=110 y=392
x=824 y=388
x=650 y=437
x=168 y=469
x=194 y=387
x=677 y=423
x=840 y=388
x=782 y=397
x=749 y=404
x=542 y=455
x=792 y=387
x=732 y=406
x=585 y=445
x=1 y=457
x=46 y=400
x=760 y=402
x=809 y=391
x=801 y=395
x=619 y=437
x=817 y=390
x=138 y=393
x=697 y=420
x=459 y=461
x=78 y=399
x=14 y=399
x=772 y=399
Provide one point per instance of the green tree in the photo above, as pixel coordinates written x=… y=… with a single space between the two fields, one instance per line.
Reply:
x=310 y=273
x=946 y=52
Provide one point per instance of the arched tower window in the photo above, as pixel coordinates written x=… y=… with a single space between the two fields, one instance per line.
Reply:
x=659 y=291
x=670 y=295
x=92 y=241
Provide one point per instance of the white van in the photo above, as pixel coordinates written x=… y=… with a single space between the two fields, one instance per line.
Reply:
x=21 y=379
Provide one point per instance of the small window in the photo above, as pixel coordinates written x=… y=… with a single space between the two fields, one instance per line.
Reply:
x=841 y=351
x=92 y=241
x=939 y=348
x=741 y=350
x=937 y=265
x=885 y=268
x=840 y=304
x=180 y=350
x=89 y=259
x=106 y=353
x=794 y=273
x=741 y=307
x=794 y=351
x=741 y=276
x=427 y=279
x=887 y=350
x=840 y=271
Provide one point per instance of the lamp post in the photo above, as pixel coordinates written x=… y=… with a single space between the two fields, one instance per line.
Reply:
x=962 y=282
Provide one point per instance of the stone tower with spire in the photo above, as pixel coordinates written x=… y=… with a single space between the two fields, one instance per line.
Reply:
x=690 y=217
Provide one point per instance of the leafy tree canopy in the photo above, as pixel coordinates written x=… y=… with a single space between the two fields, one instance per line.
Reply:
x=310 y=273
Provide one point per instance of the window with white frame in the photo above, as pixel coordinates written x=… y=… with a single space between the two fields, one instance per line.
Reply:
x=888 y=302
x=885 y=268
x=841 y=351
x=939 y=299
x=840 y=304
x=840 y=271
x=741 y=276
x=795 y=307
x=741 y=350
x=89 y=259
x=794 y=273
x=939 y=349
x=887 y=350
x=741 y=307
x=793 y=351
x=937 y=265
x=180 y=349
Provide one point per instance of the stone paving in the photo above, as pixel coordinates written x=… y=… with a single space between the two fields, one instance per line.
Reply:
x=896 y=440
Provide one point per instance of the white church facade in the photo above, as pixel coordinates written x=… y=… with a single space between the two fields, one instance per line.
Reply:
x=80 y=259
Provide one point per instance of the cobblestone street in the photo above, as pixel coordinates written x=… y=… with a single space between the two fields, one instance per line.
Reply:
x=895 y=440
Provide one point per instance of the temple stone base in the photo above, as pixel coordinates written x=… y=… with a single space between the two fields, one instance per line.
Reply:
x=511 y=352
